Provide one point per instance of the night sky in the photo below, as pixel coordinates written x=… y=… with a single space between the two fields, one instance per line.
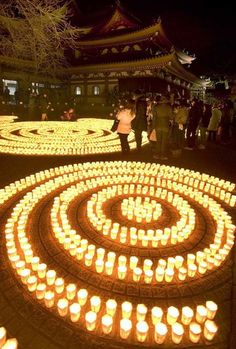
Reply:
x=205 y=28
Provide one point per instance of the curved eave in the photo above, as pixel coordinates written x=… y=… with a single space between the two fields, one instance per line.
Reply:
x=178 y=70
x=145 y=64
x=135 y=36
x=184 y=58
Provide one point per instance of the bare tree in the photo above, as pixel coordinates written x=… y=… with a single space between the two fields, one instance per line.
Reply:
x=39 y=31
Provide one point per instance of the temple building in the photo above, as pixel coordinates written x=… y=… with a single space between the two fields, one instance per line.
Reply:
x=123 y=54
x=119 y=54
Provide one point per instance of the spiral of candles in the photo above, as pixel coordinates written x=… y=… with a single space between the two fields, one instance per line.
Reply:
x=143 y=198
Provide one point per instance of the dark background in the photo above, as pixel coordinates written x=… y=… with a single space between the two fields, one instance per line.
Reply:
x=204 y=28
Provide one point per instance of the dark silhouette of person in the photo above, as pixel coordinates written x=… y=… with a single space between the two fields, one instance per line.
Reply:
x=139 y=123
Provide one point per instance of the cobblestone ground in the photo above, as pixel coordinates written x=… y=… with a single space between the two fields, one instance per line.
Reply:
x=36 y=327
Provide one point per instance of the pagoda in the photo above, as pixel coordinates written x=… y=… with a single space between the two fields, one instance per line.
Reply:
x=122 y=53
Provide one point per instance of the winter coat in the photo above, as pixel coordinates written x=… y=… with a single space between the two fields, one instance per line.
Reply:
x=140 y=120
x=162 y=114
x=125 y=116
x=215 y=119
x=181 y=116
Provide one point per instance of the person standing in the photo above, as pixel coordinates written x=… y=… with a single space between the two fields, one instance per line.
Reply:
x=214 y=122
x=139 y=123
x=125 y=116
x=162 y=115
x=195 y=115
x=207 y=110
x=180 y=119
x=44 y=106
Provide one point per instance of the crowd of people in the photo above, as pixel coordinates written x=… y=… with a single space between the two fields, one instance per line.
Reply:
x=173 y=125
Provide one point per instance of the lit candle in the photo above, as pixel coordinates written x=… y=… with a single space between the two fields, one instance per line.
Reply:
x=160 y=333
x=202 y=267
x=82 y=295
x=40 y=291
x=49 y=299
x=99 y=265
x=59 y=285
x=169 y=274
x=88 y=259
x=141 y=330
x=62 y=306
x=201 y=314
x=50 y=276
x=95 y=303
x=187 y=315
x=194 y=332
x=42 y=270
x=90 y=319
x=70 y=291
x=137 y=272
x=210 y=329
x=109 y=268
x=160 y=272
x=172 y=315
x=192 y=269
x=3 y=336
x=75 y=312
x=107 y=323
x=111 y=306
x=133 y=262
x=126 y=309
x=182 y=273
x=211 y=309
x=125 y=328
x=10 y=344
x=148 y=275
x=24 y=274
x=32 y=283
x=177 y=333
x=122 y=272
x=157 y=314
x=141 y=312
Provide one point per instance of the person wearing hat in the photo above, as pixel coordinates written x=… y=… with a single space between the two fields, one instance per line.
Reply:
x=162 y=114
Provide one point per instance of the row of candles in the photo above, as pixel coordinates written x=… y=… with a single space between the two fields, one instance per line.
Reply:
x=67 y=138
x=160 y=174
x=5 y=343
